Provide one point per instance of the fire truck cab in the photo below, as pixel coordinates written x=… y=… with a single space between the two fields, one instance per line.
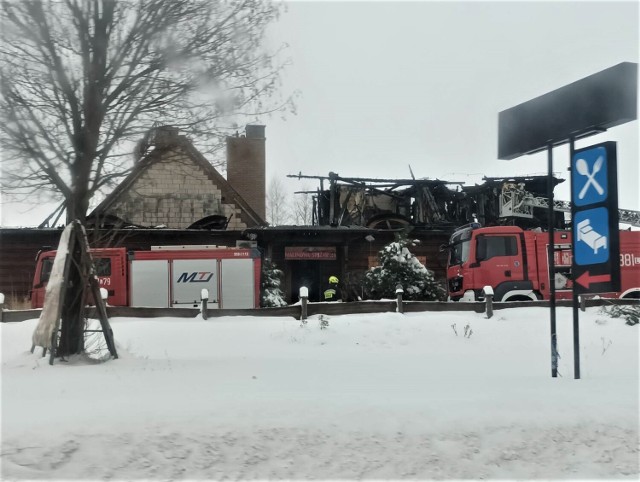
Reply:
x=111 y=270
x=514 y=263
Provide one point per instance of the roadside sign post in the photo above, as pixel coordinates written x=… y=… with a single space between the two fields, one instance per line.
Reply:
x=575 y=299
x=551 y=264
x=583 y=108
x=595 y=266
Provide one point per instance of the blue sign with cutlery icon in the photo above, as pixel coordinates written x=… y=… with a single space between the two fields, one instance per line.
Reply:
x=590 y=183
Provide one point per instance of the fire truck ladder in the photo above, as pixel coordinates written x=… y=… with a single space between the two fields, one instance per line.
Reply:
x=516 y=202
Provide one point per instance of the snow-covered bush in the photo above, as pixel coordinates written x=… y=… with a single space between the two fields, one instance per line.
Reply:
x=630 y=313
x=399 y=266
x=271 y=294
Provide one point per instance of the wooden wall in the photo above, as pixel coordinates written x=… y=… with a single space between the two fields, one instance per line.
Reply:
x=18 y=249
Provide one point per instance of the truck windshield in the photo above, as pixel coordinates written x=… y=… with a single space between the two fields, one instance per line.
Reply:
x=459 y=247
x=45 y=273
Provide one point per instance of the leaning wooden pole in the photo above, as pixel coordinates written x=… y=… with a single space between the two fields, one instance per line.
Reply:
x=92 y=280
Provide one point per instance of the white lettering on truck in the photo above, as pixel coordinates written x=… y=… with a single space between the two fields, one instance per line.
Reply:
x=628 y=259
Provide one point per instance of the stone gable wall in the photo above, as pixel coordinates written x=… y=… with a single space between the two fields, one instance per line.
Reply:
x=174 y=192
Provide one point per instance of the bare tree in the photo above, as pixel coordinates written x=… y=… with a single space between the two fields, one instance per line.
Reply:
x=303 y=207
x=83 y=79
x=278 y=209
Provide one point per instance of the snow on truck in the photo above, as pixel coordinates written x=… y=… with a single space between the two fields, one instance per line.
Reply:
x=168 y=276
x=514 y=262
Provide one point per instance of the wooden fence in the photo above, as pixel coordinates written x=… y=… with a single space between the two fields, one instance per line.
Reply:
x=295 y=311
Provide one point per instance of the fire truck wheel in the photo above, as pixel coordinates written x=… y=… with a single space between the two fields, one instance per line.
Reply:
x=515 y=296
x=631 y=295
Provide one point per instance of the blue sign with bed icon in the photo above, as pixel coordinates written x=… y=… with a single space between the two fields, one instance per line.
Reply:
x=591 y=244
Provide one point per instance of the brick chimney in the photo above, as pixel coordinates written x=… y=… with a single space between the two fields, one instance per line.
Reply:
x=246 y=167
x=165 y=136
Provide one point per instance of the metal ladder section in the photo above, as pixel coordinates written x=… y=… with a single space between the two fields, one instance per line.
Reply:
x=516 y=202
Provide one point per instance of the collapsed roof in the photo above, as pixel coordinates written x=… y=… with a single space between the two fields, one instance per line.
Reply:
x=427 y=203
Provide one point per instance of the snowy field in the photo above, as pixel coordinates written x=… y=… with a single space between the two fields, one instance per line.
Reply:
x=383 y=396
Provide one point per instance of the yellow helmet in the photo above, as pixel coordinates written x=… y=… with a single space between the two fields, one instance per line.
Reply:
x=333 y=279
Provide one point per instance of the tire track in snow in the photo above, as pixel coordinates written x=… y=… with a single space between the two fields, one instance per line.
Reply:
x=577 y=451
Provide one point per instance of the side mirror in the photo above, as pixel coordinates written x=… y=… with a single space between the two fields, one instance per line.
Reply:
x=481 y=248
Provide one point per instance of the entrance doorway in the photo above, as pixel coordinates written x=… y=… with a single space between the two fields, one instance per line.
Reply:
x=305 y=273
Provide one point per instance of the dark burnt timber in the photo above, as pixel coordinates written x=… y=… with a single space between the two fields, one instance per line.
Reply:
x=396 y=204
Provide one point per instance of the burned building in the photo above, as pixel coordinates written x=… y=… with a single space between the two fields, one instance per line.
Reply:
x=426 y=203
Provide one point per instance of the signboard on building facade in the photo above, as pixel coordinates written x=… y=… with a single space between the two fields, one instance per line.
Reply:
x=319 y=253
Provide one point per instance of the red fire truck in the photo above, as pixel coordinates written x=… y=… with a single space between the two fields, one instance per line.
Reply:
x=168 y=276
x=514 y=262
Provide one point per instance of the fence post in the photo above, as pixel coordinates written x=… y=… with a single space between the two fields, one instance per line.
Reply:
x=1 y=305
x=583 y=302
x=399 y=292
x=488 y=299
x=204 y=297
x=304 y=297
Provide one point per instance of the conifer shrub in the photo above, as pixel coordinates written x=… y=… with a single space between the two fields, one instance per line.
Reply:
x=398 y=266
x=630 y=313
x=271 y=294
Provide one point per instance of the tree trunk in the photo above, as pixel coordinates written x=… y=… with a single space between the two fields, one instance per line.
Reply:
x=72 y=313
x=76 y=206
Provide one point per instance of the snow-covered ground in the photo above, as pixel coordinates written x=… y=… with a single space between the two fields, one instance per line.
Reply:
x=373 y=396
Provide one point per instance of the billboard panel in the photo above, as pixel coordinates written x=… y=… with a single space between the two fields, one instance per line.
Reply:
x=587 y=106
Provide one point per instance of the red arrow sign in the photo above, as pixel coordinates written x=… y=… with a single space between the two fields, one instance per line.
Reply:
x=585 y=279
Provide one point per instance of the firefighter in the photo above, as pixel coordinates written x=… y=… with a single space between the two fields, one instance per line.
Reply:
x=332 y=293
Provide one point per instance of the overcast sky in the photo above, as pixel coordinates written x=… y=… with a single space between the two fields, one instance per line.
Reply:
x=385 y=85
